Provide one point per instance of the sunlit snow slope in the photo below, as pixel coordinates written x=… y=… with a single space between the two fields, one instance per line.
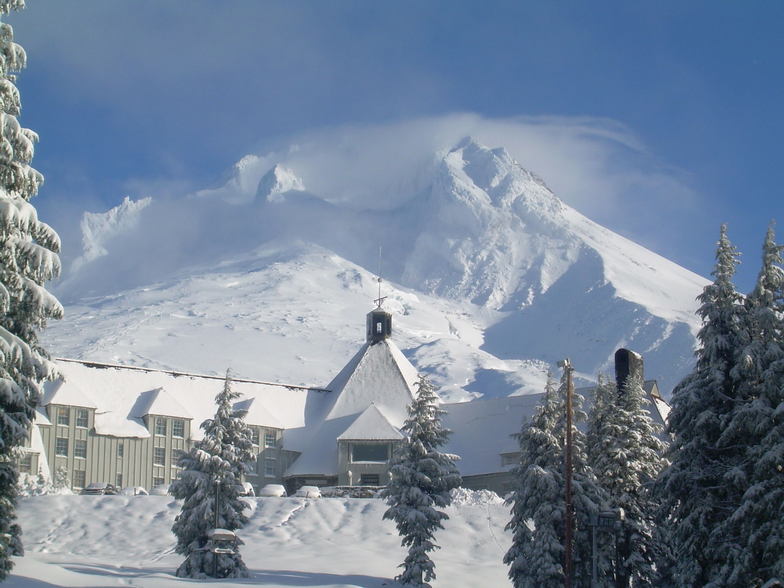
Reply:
x=326 y=543
x=489 y=275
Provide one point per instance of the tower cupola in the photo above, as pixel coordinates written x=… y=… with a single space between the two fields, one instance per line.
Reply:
x=379 y=325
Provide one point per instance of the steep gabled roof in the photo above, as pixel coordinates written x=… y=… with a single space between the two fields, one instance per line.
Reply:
x=371 y=425
x=379 y=374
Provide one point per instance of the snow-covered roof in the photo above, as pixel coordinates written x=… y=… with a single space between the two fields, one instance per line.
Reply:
x=40 y=417
x=482 y=430
x=371 y=425
x=58 y=392
x=158 y=402
x=256 y=412
x=380 y=375
x=121 y=395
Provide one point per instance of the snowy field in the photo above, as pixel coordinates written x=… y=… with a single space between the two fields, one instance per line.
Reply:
x=329 y=542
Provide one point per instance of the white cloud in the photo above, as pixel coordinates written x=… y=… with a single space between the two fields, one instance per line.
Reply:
x=596 y=165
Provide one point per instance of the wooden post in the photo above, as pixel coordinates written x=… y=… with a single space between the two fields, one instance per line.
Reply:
x=569 y=520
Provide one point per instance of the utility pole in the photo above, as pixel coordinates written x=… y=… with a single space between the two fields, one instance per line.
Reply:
x=569 y=515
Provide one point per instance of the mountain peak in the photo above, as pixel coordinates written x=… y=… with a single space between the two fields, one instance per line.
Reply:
x=276 y=182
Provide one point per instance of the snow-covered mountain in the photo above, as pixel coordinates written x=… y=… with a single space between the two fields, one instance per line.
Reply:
x=489 y=275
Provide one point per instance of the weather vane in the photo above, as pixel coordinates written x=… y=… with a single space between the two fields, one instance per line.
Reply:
x=380 y=300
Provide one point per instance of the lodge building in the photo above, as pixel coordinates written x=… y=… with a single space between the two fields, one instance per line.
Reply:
x=128 y=426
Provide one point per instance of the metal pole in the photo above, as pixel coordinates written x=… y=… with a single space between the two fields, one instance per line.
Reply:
x=569 y=530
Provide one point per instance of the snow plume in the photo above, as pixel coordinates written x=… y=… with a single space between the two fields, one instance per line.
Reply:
x=100 y=227
x=332 y=177
x=596 y=165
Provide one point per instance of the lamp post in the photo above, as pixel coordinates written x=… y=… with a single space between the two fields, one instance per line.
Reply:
x=569 y=515
x=607 y=520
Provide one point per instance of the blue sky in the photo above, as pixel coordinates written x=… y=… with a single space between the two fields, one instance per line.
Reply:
x=677 y=105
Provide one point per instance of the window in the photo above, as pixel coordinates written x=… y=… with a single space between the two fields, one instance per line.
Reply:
x=118 y=480
x=79 y=478
x=376 y=452
x=178 y=428
x=26 y=463
x=82 y=417
x=61 y=446
x=270 y=468
x=159 y=456
x=157 y=481
x=270 y=440
x=175 y=473
x=369 y=480
x=160 y=425
x=63 y=416
x=80 y=448
x=254 y=435
x=120 y=449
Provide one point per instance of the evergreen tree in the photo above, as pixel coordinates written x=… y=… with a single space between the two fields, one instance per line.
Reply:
x=422 y=478
x=625 y=455
x=699 y=489
x=208 y=486
x=538 y=501
x=537 y=553
x=28 y=258
x=751 y=541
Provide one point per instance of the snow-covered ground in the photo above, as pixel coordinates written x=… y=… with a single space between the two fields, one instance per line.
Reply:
x=329 y=542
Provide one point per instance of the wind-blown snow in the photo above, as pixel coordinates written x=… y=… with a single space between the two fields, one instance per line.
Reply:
x=490 y=278
x=98 y=228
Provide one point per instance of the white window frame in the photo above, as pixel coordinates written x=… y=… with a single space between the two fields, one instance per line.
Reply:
x=82 y=412
x=82 y=474
x=159 y=453
x=78 y=445
x=58 y=450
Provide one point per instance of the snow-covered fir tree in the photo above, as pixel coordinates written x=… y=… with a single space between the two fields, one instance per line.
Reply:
x=422 y=478
x=537 y=501
x=209 y=487
x=536 y=558
x=751 y=541
x=28 y=258
x=626 y=456
x=699 y=490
